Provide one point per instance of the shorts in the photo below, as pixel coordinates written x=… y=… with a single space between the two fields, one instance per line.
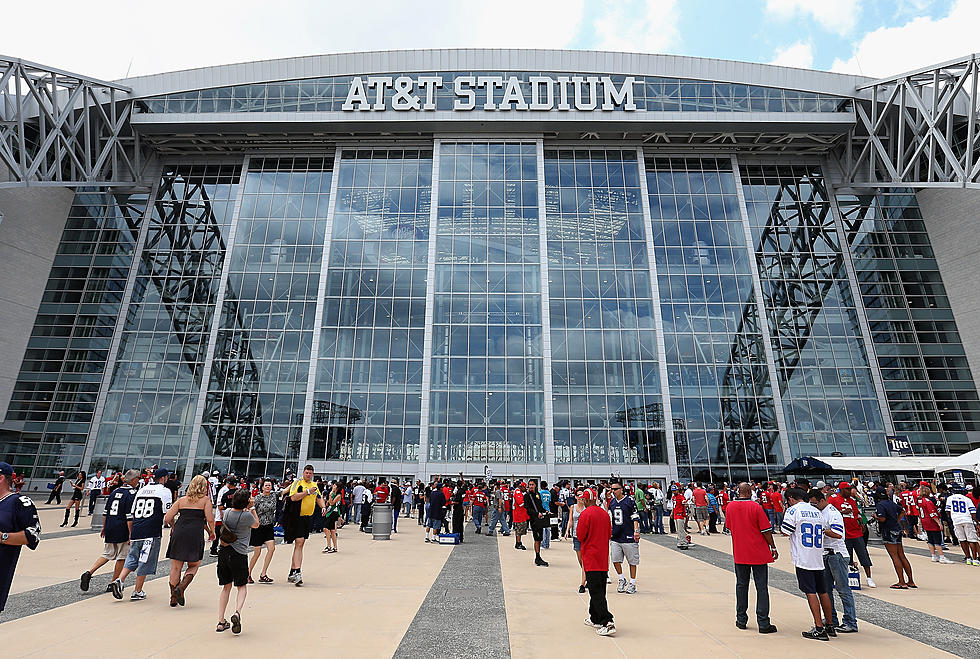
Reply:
x=434 y=524
x=330 y=522
x=811 y=581
x=115 y=551
x=538 y=533
x=628 y=550
x=520 y=528
x=232 y=567
x=934 y=538
x=576 y=545
x=701 y=513
x=298 y=528
x=891 y=537
x=912 y=520
x=859 y=547
x=76 y=495
x=262 y=534
x=143 y=556
x=966 y=532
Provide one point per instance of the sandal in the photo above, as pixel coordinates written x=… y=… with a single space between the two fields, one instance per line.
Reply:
x=264 y=579
x=899 y=586
x=911 y=585
x=236 y=623
x=223 y=626
x=250 y=581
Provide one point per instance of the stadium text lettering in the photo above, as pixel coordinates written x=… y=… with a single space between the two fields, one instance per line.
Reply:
x=541 y=93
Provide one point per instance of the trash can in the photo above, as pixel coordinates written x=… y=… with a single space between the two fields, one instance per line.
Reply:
x=98 y=515
x=381 y=519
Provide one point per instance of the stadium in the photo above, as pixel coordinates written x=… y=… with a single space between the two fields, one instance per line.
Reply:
x=552 y=263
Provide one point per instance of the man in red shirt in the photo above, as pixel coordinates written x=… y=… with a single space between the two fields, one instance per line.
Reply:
x=521 y=518
x=931 y=523
x=382 y=491
x=479 y=499
x=679 y=515
x=765 y=500
x=910 y=504
x=593 y=531
x=853 y=530
x=753 y=549
x=701 y=508
x=505 y=498
x=778 y=508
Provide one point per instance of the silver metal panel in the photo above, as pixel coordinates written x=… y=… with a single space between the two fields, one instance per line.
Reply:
x=549 y=421
x=430 y=298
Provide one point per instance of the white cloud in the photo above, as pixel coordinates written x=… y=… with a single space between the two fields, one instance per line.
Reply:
x=643 y=26
x=799 y=55
x=920 y=42
x=104 y=38
x=838 y=16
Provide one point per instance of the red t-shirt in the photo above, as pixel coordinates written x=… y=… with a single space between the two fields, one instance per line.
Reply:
x=520 y=514
x=910 y=501
x=381 y=493
x=593 y=531
x=723 y=499
x=975 y=500
x=479 y=498
x=505 y=496
x=930 y=515
x=700 y=497
x=777 y=501
x=765 y=498
x=747 y=520
x=679 y=512
x=850 y=512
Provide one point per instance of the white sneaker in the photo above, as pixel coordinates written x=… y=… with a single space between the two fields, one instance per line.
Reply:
x=944 y=561
x=935 y=559
x=871 y=583
x=608 y=630
x=589 y=623
x=631 y=589
x=622 y=585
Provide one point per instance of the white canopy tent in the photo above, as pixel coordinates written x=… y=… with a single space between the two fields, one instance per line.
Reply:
x=969 y=461
x=887 y=464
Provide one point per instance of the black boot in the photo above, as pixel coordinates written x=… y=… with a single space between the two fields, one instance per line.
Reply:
x=67 y=512
x=75 y=523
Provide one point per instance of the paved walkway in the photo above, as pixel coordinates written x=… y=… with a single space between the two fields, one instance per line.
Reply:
x=480 y=599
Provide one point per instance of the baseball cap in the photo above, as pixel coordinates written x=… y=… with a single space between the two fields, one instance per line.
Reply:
x=160 y=473
x=586 y=494
x=926 y=483
x=844 y=484
x=6 y=470
x=820 y=484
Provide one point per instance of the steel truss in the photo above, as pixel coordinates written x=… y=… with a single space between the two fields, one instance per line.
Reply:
x=919 y=129
x=59 y=128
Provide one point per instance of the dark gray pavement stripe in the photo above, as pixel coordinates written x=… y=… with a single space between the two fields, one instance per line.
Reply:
x=66 y=534
x=463 y=615
x=940 y=633
x=38 y=600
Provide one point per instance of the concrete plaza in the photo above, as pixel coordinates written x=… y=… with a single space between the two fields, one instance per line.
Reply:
x=482 y=598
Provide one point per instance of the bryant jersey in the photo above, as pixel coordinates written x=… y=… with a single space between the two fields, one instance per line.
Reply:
x=961 y=510
x=804 y=525
x=17 y=513
x=150 y=504
x=623 y=513
x=117 y=510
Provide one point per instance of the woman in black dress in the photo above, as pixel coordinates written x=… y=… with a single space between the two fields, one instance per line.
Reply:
x=77 y=492
x=194 y=516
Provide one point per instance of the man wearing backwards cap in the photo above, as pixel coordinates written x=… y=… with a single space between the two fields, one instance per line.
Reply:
x=593 y=531
x=150 y=505
x=19 y=525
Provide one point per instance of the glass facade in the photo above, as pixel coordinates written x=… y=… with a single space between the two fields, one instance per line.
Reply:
x=652 y=94
x=541 y=314
x=487 y=388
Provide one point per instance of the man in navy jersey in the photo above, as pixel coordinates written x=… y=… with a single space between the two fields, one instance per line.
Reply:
x=19 y=525
x=150 y=505
x=115 y=528
x=625 y=540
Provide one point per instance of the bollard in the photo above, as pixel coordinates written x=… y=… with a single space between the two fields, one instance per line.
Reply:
x=98 y=515
x=381 y=519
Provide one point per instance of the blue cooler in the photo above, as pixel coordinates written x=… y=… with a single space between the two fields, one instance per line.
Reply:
x=448 y=538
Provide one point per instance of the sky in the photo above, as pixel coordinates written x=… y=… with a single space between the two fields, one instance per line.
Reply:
x=115 y=39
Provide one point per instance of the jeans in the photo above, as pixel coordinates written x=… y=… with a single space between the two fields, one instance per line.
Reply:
x=658 y=519
x=93 y=496
x=565 y=514
x=55 y=494
x=759 y=574
x=356 y=512
x=546 y=538
x=595 y=581
x=478 y=513
x=644 y=521
x=394 y=520
x=498 y=516
x=835 y=574
x=771 y=514
x=779 y=521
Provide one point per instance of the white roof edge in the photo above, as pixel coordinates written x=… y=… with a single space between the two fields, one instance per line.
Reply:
x=487 y=59
x=884 y=463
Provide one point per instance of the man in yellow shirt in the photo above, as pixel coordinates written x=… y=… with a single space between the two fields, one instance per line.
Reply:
x=303 y=496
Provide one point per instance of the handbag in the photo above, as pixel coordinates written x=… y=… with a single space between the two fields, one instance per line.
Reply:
x=854 y=579
x=227 y=536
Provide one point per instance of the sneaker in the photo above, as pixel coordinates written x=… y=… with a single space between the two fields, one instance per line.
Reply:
x=871 y=583
x=771 y=629
x=108 y=588
x=427 y=539
x=830 y=631
x=581 y=589
x=86 y=579
x=631 y=589
x=117 y=589
x=137 y=596
x=608 y=630
x=213 y=553
x=589 y=623
x=934 y=559
x=817 y=634
x=944 y=561
x=299 y=579
x=292 y=577
x=846 y=629
x=540 y=562
x=622 y=585
x=741 y=625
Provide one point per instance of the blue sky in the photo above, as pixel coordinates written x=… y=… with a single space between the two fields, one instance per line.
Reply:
x=110 y=39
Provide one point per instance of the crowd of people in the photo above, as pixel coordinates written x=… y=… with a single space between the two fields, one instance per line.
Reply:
x=828 y=528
